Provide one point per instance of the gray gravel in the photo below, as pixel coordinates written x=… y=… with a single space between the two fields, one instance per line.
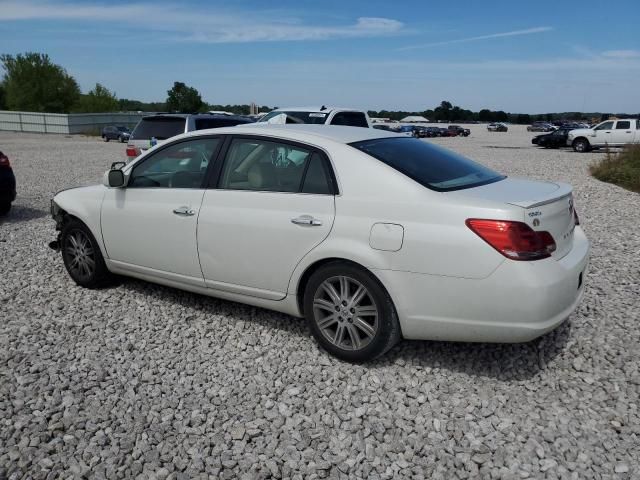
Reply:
x=142 y=381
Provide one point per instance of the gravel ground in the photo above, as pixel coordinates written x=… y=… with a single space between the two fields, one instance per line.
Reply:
x=142 y=381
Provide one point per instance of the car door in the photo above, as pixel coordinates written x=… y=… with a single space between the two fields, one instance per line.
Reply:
x=622 y=132
x=150 y=225
x=602 y=134
x=273 y=202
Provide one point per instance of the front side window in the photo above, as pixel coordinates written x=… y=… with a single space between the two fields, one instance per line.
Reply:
x=605 y=126
x=430 y=165
x=264 y=165
x=623 y=125
x=181 y=165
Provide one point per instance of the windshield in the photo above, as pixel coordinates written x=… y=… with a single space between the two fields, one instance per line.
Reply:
x=430 y=165
x=295 y=117
x=122 y=129
x=158 y=127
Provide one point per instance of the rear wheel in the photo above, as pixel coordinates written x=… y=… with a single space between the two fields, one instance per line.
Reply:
x=581 y=145
x=105 y=138
x=82 y=257
x=349 y=312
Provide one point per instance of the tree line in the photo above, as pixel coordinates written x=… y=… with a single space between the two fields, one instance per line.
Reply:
x=33 y=83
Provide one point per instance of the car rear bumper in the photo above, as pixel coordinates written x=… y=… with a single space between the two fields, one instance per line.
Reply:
x=518 y=302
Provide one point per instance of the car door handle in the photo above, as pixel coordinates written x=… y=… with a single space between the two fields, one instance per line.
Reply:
x=306 y=220
x=184 y=211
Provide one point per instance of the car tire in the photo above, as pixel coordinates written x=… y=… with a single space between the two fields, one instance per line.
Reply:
x=82 y=256
x=121 y=139
x=581 y=145
x=5 y=207
x=332 y=297
x=105 y=138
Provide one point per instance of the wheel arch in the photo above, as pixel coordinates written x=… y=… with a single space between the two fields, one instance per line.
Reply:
x=581 y=138
x=303 y=280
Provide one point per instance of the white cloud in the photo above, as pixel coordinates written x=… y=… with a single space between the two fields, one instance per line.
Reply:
x=215 y=25
x=621 y=54
x=513 y=33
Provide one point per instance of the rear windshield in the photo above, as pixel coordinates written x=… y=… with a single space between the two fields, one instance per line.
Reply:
x=296 y=117
x=430 y=165
x=159 y=127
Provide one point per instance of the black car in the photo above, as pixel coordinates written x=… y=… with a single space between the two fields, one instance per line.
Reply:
x=555 y=139
x=457 y=130
x=7 y=185
x=121 y=134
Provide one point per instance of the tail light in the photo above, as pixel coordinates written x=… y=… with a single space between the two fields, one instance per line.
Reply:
x=514 y=240
x=132 y=151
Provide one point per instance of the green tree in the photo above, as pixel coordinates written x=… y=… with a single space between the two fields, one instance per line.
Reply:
x=523 y=118
x=486 y=115
x=34 y=83
x=100 y=99
x=182 y=98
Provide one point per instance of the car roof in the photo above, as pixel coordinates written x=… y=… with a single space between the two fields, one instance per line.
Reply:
x=302 y=132
x=322 y=109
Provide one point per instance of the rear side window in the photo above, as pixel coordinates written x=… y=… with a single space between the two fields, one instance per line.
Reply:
x=204 y=123
x=623 y=125
x=350 y=119
x=316 y=179
x=159 y=127
x=430 y=165
x=272 y=166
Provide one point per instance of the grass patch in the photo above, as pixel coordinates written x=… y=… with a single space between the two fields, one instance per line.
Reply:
x=622 y=169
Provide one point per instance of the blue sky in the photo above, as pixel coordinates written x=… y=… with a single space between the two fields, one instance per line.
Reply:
x=532 y=57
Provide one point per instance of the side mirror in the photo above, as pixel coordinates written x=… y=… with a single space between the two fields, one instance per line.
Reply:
x=116 y=178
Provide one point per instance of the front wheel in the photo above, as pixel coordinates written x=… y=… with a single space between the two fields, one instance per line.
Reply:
x=82 y=257
x=349 y=312
x=581 y=145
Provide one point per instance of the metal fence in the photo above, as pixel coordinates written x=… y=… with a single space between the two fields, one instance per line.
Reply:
x=64 y=123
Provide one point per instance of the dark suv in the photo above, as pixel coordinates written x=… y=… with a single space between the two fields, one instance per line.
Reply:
x=7 y=185
x=158 y=128
x=116 y=133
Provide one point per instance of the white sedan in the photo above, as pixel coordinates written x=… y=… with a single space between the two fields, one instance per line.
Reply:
x=369 y=235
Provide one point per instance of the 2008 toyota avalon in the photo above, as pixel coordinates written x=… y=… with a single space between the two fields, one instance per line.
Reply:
x=369 y=235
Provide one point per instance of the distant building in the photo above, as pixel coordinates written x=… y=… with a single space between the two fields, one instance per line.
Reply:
x=415 y=119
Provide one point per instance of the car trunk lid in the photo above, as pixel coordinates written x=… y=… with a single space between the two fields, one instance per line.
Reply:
x=547 y=206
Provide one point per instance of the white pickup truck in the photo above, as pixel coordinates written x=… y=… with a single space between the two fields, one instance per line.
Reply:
x=610 y=133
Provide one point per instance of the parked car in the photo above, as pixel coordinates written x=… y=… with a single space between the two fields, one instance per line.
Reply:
x=541 y=127
x=121 y=134
x=506 y=259
x=156 y=129
x=433 y=132
x=555 y=139
x=457 y=130
x=497 y=127
x=612 y=133
x=383 y=127
x=408 y=130
x=318 y=116
x=7 y=184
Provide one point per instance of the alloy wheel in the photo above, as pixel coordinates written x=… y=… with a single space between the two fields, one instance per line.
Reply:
x=80 y=255
x=345 y=313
